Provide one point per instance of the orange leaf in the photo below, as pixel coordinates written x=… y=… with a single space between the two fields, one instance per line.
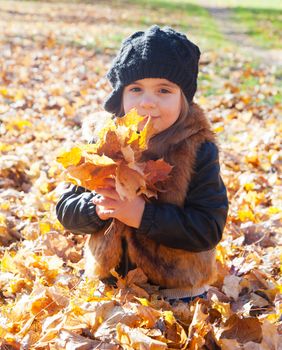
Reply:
x=91 y=176
x=157 y=170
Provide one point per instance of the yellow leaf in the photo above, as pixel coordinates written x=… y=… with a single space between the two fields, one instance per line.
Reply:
x=7 y=263
x=76 y=309
x=223 y=308
x=5 y=205
x=146 y=134
x=131 y=119
x=69 y=110
x=72 y=157
x=143 y=301
x=18 y=284
x=5 y=147
x=221 y=253
x=169 y=317
x=245 y=215
x=19 y=95
x=3 y=219
x=3 y=91
x=98 y=160
x=58 y=226
x=249 y=186
x=252 y=158
x=44 y=227
x=218 y=129
x=18 y=124
x=110 y=125
x=273 y=210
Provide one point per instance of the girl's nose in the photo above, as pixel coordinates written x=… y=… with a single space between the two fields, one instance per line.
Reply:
x=147 y=102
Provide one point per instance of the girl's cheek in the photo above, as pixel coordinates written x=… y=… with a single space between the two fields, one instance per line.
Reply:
x=127 y=106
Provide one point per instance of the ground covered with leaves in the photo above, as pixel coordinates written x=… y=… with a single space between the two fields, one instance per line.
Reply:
x=51 y=78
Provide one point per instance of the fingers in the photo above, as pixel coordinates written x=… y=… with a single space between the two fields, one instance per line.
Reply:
x=104 y=213
x=107 y=202
x=108 y=192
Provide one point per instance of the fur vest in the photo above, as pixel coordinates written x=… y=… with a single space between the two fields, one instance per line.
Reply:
x=164 y=266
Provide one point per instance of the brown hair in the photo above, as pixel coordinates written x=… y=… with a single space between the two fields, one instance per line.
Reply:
x=167 y=134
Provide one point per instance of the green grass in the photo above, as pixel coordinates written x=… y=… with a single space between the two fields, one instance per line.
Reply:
x=264 y=26
x=261 y=20
x=192 y=19
x=258 y=4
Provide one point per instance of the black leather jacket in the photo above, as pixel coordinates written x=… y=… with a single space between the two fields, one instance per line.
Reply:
x=196 y=227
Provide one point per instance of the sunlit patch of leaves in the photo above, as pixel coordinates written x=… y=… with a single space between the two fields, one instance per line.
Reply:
x=46 y=90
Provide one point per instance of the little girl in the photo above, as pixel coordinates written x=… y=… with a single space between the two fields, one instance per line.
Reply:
x=172 y=239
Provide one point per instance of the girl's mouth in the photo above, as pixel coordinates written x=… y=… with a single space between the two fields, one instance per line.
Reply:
x=152 y=116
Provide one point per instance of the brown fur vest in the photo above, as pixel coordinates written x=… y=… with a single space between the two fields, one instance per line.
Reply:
x=164 y=266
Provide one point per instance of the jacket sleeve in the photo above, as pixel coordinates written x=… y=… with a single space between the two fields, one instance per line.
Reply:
x=76 y=211
x=199 y=225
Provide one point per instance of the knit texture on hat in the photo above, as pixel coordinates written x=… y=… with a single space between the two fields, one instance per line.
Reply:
x=154 y=53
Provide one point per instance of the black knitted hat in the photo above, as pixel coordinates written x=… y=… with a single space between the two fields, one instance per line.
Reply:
x=155 y=53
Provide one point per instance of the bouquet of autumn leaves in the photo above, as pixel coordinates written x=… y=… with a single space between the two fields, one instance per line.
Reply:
x=117 y=154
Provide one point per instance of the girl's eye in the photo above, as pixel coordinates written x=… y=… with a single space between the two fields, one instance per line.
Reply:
x=164 y=91
x=135 y=89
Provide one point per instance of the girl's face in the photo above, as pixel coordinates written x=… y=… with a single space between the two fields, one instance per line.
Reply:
x=158 y=98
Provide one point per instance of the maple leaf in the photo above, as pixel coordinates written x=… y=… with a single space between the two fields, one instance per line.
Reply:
x=116 y=155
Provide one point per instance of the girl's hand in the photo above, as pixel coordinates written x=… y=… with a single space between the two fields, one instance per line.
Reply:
x=109 y=205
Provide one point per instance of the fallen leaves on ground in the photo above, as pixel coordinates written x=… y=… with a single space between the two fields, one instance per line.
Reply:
x=47 y=88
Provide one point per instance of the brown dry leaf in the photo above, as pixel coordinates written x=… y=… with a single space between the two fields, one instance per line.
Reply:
x=242 y=329
x=10 y=344
x=229 y=344
x=174 y=334
x=272 y=339
x=198 y=327
x=157 y=170
x=133 y=285
x=129 y=182
x=231 y=286
x=148 y=315
x=133 y=338
x=136 y=276
x=111 y=146
x=61 y=246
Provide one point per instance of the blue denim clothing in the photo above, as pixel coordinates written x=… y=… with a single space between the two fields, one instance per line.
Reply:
x=189 y=299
